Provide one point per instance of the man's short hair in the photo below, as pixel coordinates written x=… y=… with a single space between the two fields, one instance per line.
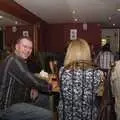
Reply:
x=28 y=38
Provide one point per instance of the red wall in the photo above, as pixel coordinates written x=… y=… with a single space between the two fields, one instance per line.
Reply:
x=42 y=30
x=57 y=35
x=53 y=37
x=11 y=37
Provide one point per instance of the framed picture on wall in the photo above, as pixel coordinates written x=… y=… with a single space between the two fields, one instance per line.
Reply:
x=73 y=34
x=25 y=33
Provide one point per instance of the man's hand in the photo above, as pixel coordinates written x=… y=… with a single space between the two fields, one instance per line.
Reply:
x=54 y=84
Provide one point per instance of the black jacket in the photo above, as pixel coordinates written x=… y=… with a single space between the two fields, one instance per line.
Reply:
x=16 y=81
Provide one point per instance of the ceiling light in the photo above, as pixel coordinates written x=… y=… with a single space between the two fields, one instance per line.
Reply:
x=109 y=18
x=75 y=19
x=118 y=9
x=113 y=24
x=73 y=12
x=1 y=17
x=16 y=22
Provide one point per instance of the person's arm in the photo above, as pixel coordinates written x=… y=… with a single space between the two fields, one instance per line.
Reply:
x=96 y=60
x=20 y=71
x=115 y=80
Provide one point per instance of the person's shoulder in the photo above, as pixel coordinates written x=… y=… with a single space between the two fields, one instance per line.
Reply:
x=66 y=70
x=97 y=71
x=117 y=63
x=116 y=66
x=7 y=58
x=61 y=68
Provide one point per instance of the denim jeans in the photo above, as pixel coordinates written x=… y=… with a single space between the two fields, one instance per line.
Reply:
x=42 y=101
x=24 y=111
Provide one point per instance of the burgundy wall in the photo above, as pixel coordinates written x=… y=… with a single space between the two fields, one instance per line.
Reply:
x=53 y=37
x=11 y=37
x=57 y=35
x=41 y=37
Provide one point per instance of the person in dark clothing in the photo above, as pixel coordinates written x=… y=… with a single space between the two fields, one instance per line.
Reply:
x=16 y=81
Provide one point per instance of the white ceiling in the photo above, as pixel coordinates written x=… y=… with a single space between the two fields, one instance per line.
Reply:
x=60 y=11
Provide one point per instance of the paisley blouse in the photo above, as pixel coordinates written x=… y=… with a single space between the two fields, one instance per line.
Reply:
x=77 y=94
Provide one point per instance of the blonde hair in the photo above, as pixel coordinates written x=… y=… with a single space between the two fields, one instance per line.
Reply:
x=78 y=50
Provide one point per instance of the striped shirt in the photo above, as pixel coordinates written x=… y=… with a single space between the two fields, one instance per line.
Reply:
x=105 y=59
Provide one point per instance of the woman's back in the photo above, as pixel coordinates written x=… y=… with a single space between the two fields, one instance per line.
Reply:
x=79 y=80
x=77 y=96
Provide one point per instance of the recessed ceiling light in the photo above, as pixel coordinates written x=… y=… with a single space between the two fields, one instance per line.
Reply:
x=75 y=19
x=16 y=22
x=118 y=9
x=73 y=12
x=113 y=24
x=109 y=18
x=1 y=16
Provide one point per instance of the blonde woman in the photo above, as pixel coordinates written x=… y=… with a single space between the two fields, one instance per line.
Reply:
x=79 y=81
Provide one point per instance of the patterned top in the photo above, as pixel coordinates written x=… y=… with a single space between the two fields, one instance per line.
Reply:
x=77 y=94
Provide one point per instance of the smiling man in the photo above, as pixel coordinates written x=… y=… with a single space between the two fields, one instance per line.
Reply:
x=16 y=81
x=24 y=48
